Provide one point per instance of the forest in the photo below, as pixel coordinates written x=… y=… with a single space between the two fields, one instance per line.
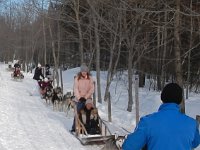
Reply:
x=154 y=39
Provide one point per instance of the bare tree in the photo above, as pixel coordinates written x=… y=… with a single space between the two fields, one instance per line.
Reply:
x=76 y=4
x=131 y=35
x=164 y=51
x=94 y=5
x=177 y=43
x=189 y=53
x=44 y=33
x=116 y=38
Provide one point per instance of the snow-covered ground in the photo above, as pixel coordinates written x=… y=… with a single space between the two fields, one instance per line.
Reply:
x=27 y=123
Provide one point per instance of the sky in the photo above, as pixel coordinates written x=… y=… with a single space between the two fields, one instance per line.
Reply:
x=27 y=123
x=5 y=4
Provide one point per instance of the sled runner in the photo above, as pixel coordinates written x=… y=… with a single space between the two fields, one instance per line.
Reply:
x=91 y=139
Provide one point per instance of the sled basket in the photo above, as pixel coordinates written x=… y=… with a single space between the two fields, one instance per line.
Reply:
x=85 y=138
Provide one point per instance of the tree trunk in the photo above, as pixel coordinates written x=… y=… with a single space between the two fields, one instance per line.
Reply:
x=109 y=107
x=59 y=41
x=77 y=5
x=97 y=61
x=137 y=106
x=130 y=82
x=164 y=54
x=115 y=50
x=44 y=36
x=61 y=79
x=189 y=54
x=142 y=79
x=109 y=74
x=92 y=50
x=54 y=56
x=178 y=52
x=158 y=57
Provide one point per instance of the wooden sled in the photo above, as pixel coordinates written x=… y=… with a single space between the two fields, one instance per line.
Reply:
x=91 y=139
x=85 y=138
x=18 y=77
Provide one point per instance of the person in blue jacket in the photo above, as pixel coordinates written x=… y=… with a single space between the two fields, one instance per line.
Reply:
x=167 y=129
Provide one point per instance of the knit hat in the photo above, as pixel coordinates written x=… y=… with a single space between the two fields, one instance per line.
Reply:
x=172 y=93
x=39 y=65
x=84 y=68
x=89 y=101
x=46 y=80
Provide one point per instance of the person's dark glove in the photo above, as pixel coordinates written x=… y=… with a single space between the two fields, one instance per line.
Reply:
x=82 y=99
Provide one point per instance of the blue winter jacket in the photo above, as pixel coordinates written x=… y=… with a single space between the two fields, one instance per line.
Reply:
x=167 y=129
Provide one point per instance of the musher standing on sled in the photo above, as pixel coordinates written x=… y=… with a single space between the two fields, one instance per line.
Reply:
x=83 y=89
x=17 y=67
x=38 y=74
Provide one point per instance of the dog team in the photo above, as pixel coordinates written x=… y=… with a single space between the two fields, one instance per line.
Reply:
x=51 y=95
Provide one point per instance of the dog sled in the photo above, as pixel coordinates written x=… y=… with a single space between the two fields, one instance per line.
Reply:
x=18 y=76
x=85 y=138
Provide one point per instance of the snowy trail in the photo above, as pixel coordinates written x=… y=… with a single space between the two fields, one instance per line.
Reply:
x=26 y=122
